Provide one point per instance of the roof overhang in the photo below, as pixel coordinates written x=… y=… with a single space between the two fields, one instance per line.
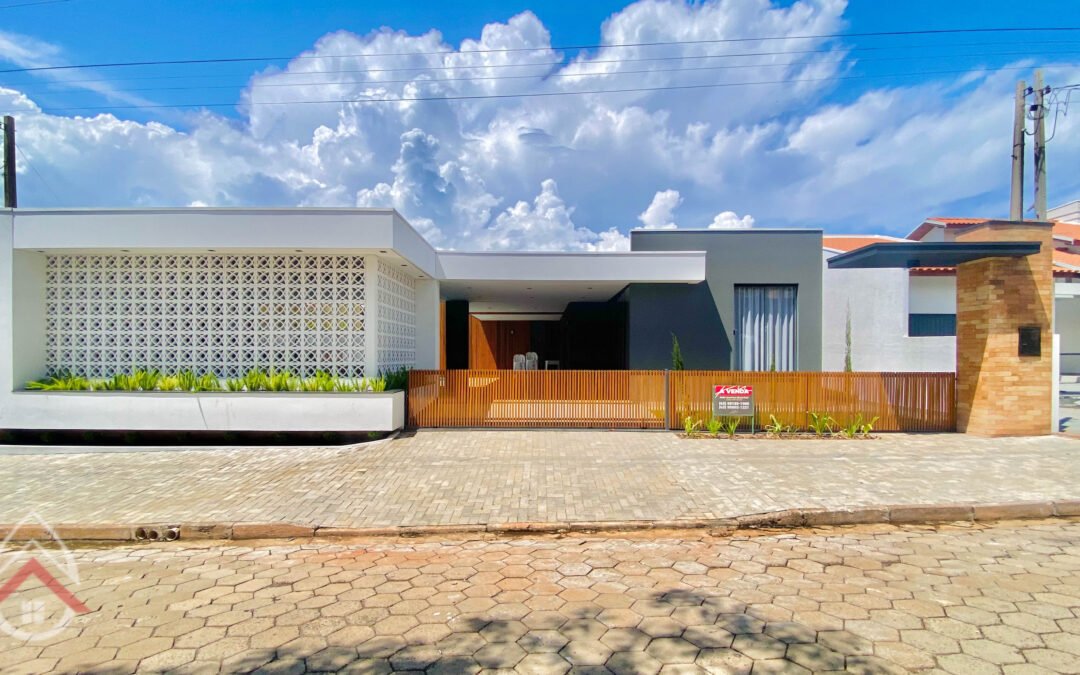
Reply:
x=354 y=231
x=930 y=254
x=515 y=282
x=624 y=267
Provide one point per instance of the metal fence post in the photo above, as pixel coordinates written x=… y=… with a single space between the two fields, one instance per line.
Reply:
x=667 y=399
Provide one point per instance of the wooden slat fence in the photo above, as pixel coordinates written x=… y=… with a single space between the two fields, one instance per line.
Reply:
x=900 y=401
x=631 y=399
x=644 y=399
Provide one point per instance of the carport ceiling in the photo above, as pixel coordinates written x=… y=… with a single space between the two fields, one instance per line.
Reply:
x=531 y=294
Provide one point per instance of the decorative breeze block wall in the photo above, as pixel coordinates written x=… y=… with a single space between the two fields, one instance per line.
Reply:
x=222 y=314
x=396 y=318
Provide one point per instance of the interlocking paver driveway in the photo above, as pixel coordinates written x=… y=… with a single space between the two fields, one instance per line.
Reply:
x=468 y=477
x=958 y=599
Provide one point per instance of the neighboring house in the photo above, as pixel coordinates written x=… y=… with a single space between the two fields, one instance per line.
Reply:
x=355 y=292
x=905 y=320
x=1069 y=213
x=885 y=319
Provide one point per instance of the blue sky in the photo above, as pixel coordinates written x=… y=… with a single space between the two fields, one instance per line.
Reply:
x=94 y=31
x=875 y=150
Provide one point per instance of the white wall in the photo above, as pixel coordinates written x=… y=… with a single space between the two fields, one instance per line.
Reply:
x=427 y=324
x=7 y=275
x=878 y=302
x=1069 y=212
x=243 y=411
x=935 y=234
x=28 y=316
x=1067 y=324
x=931 y=295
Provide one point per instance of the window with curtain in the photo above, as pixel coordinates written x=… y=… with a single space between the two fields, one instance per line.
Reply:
x=766 y=320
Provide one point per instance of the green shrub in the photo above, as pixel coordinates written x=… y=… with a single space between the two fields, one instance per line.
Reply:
x=378 y=384
x=714 y=426
x=691 y=425
x=821 y=423
x=187 y=380
x=279 y=380
x=777 y=428
x=851 y=429
x=256 y=380
x=146 y=380
x=208 y=382
x=676 y=354
x=348 y=384
x=867 y=427
x=62 y=382
x=731 y=425
x=398 y=378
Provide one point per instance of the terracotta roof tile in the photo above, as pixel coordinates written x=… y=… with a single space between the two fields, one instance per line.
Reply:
x=956 y=222
x=850 y=242
x=1069 y=260
x=1067 y=230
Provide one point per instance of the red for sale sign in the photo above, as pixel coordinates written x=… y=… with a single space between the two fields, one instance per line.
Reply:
x=733 y=400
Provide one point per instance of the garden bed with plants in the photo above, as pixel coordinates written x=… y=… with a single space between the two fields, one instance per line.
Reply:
x=821 y=426
x=255 y=380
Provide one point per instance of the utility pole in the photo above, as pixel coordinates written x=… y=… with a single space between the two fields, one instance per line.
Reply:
x=1016 y=199
x=11 y=199
x=1040 y=147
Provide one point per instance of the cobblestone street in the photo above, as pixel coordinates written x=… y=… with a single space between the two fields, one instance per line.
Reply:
x=483 y=477
x=882 y=599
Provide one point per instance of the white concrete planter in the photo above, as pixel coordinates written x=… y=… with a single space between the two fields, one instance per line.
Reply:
x=204 y=411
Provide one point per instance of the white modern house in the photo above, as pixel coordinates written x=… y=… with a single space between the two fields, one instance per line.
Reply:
x=359 y=292
x=352 y=292
x=905 y=320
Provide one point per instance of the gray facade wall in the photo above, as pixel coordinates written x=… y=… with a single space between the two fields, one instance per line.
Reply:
x=703 y=315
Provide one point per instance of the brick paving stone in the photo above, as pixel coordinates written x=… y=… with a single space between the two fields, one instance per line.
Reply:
x=523 y=476
x=726 y=661
x=951 y=598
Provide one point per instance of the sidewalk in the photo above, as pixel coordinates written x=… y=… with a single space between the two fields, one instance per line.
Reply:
x=490 y=477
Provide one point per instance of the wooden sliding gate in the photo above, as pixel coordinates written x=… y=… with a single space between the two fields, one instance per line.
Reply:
x=658 y=399
x=628 y=399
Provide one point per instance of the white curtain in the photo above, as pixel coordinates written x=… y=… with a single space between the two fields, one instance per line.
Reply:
x=765 y=328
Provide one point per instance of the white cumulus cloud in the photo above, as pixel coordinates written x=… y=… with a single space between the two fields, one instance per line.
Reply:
x=729 y=220
x=545 y=224
x=660 y=213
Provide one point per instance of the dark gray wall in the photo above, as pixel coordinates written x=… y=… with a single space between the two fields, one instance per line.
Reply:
x=702 y=315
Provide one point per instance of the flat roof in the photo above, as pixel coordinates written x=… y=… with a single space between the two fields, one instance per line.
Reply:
x=930 y=254
x=725 y=230
x=561 y=266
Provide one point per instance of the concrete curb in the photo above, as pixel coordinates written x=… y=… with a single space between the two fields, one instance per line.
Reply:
x=900 y=514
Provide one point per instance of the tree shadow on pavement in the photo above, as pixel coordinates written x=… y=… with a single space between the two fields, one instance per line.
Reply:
x=693 y=630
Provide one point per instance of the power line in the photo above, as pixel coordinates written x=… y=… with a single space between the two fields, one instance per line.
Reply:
x=31 y=4
x=540 y=75
x=38 y=174
x=551 y=63
x=470 y=97
x=823 y=36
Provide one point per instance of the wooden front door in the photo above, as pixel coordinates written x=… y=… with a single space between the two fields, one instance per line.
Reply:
x=492 y=344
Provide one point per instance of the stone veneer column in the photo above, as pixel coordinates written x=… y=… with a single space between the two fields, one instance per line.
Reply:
x=999 y=392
